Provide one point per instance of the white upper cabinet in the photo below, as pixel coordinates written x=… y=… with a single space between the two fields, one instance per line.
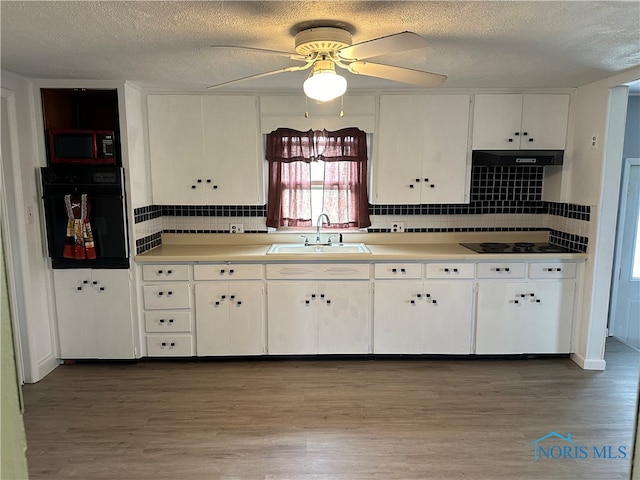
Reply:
x=422 y=149
x=205 y=150
x=520 y=122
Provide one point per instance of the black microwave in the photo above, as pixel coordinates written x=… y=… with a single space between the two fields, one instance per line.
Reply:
x=88 y=147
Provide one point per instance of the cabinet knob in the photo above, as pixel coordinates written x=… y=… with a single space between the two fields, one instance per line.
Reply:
x=516 y=133
x=217 y=303
x=313 y=295
x=171 y=320
x=402 y=270
x=538 y=300
x=238 y=302
x=221 y=272
x=161 y=320
x=446 y=270
x=159 y=272
x=516 y=301
x=428 y=295
x=215 y=187
x=160 y=294
x=232 y=297
x=434 y=301
x=506 y=269
x=94 y=282
x=417 y=180
x=525 y=133
x=306 y=302
x=455 y=270
x=85 y=281
x=164 y=344
x=193 y=186
x=223 y=296
x=432 y=186
x=531 y=139
x=328 y=302
x=78 y=288
x=231 y=272
x=498 y=269
x=419 y=295
x=522 y=295
x=413 y=302
x=169 y=272
x=532 y=294
x=426 y=180
x=558 y=269
x=322 y=295
x=173 y=344
x=169 y=293
x=511 y=140
x=394 y=270
x=208 y=180
x=411 y=185
x=199 y=180
x=102 y=289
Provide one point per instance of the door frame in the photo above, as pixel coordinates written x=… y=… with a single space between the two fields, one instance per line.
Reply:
x=615 y=271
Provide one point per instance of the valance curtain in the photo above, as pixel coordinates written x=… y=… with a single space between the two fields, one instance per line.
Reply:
x=289 y=153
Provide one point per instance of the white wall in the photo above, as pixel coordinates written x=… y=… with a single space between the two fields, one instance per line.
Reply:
x=29 y=264
x=594 y=179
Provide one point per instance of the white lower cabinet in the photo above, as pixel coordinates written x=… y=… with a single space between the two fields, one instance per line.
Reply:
x=330 y=317
x=415 y=317
x=94 y=313
x=534 y=316
x=168 y=318
x=229 y=318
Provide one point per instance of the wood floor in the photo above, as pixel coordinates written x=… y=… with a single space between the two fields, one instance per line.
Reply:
x=330 y=420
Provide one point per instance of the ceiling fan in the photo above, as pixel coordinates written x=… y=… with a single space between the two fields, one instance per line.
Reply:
x=323 y=48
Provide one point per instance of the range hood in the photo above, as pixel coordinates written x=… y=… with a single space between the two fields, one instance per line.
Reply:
x=517 y=157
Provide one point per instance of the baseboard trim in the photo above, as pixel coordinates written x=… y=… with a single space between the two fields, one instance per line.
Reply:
x=588 y=364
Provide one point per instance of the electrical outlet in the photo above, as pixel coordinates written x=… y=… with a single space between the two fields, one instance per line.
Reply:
x=236 y=228
x=594 y=141
x=397 y=227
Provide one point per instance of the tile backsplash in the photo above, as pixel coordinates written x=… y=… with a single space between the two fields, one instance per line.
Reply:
x=502 y=199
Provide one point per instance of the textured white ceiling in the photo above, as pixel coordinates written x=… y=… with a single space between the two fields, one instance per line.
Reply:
x=166 y=44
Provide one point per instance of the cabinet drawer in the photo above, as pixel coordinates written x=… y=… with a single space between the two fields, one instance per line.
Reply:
x=167 y=296
x=159 y=322
x=165 y=272
x=169 y=346
x=398 y=270
x=336 y=271
x=500 y=270
x=552 y=270
x=227 y=272
x=450 y=270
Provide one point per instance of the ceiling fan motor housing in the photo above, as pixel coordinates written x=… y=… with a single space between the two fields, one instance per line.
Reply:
x=322 y=39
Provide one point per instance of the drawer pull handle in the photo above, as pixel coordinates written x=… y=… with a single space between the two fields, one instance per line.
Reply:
x=95 y=282
x=313 y=295
x=85 y=281
x=434 y=301
x=411 y=186
x=522 y=295
x=426 y=179
x=169 y=293
x=159 y=272
x=417 y=180
x=217 y=303
x=171 y=320
x=558 y=269
x=394 y=270
x=239 y=302
x=506 y=269
x=413 y=302
x=532 y=294
x=232 y=297
x=160 y=294
x=169 y=272
x=102 y=289
x=306 y=302
x=173 y=344
x=223 y=296
x=428 y=295
x=221 y=272
x=455 y=270
x=78 y=288
x=164 y=344
x=538 y=300
x=322 y=295
x=446 y=270
x=419 y=295
x=328 y=302
x=403 y=270
x=161 y=320
x=231 y=272
x=516 y=301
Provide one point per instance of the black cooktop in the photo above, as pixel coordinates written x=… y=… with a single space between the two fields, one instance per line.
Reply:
x=516 y=247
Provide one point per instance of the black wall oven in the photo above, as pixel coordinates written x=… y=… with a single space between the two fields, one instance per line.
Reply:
x=85 y=215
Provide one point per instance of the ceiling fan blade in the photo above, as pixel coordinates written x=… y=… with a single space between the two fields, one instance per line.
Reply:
x=292 y=56
x=380 y=46
x=259 y=75
x=399 y=74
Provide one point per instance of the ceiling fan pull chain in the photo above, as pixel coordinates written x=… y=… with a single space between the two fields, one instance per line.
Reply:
x=342 y=105
x=306 y=107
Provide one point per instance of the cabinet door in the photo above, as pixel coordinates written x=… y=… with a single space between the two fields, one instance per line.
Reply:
x=399 y=149
x=229 y=318
x=176 y=149
x=232 y=150
x=496 y=122
x=398 y=317
x=343 y=317
x=74 y=306
x=544 y=122
x=293 y=318
x=446 y=137
x=501 y=313
x=449 y=314
x=112 y=313
x=94 y=313
x=549 y=317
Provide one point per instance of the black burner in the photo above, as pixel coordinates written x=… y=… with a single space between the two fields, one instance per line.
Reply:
x=516 y=247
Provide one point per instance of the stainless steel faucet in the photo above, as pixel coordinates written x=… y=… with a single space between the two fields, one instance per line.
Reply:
x=319 y=223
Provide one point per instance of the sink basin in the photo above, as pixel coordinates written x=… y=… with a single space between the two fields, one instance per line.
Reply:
x=298 y=248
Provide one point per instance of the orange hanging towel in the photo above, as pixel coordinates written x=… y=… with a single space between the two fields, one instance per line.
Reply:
x=79 y=242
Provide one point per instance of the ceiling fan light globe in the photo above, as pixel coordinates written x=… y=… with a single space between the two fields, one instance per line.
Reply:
x=325 y=86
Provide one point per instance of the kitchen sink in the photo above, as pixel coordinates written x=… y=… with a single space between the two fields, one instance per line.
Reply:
x=334 y=248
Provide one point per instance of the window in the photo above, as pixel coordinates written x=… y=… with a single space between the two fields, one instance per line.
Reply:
x=314 y=172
